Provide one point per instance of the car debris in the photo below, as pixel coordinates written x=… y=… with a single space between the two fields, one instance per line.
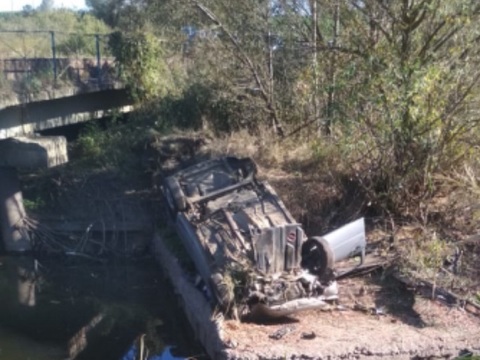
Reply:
x=253 y=257
x=308 y=335
x=280 y=333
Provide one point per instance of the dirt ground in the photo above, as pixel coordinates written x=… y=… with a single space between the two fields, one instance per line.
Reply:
x=374 y=318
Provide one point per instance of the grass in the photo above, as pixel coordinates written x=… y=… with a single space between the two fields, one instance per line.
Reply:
x=425 y=254
x=34 y=204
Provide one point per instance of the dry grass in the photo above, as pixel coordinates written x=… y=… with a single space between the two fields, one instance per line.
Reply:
x=268 y=150
x=316 y=181
x=423 y=253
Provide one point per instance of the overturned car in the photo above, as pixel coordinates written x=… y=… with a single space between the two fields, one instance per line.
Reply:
x=251 y=254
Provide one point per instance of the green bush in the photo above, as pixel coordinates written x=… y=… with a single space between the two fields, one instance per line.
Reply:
x=73 y=34
x=142 y=64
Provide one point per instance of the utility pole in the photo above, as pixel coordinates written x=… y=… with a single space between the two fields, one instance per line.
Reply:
x=97 y=46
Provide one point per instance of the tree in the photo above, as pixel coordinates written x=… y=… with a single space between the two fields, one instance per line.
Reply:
x=140 y=58
x=107 y=10
x=244 y=49
x=46 y=5
x=401 y=73
x=28 y=10
x=414 y=81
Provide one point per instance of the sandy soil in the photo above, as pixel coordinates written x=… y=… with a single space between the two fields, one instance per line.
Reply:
x=377 y=320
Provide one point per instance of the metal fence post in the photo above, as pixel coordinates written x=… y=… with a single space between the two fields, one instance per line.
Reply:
x=97 y=44
x=54 y=55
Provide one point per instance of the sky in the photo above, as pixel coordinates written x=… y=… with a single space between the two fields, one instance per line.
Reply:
x=17 y=5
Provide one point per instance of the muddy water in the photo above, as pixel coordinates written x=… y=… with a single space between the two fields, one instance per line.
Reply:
x=55 y=309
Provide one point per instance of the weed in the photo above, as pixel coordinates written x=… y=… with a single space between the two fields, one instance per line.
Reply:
x=35 y=204
x=425 y=254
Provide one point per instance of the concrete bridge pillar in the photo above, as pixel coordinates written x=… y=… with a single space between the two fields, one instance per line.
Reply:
x=12 y=212
x=29 y=154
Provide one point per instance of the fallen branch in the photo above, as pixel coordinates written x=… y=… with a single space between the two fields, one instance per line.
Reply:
x=429 y=290
x=82 y=255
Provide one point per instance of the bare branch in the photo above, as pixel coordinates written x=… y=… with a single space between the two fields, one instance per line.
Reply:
x=246 y=60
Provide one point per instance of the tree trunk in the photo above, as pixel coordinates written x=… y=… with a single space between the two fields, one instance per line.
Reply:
x=315 y=62
x=332 y=70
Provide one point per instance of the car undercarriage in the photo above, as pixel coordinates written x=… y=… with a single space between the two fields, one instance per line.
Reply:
x=252 y=255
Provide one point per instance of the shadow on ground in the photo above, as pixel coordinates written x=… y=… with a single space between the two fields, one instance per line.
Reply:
x=378 y=295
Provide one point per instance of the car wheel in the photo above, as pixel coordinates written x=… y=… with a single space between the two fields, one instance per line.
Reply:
x=174 y=195
x=317 y=256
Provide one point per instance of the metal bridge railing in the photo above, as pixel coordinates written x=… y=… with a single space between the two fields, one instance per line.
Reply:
x=83 y=59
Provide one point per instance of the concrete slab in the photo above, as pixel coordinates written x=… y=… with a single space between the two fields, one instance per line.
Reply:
x=53 y=92
x=29 y=117
x=31 y=153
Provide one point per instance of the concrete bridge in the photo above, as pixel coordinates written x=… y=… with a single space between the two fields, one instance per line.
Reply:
x=22 y=148
x=61 y=109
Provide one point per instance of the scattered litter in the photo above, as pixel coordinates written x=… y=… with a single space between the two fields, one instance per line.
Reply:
x=232 y=344
x=331 y=291
x=379 y=311
x=308 y=335
x=371 y=310
x=442 y=298
x=361 y=307
x=280 y=333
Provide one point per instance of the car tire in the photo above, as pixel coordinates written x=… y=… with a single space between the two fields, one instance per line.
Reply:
x=174 y=196
x=317 y=256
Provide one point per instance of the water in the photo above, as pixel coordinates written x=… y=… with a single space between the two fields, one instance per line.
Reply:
x=55 y=309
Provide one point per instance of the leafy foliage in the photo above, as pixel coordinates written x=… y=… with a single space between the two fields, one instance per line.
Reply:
x=414 y=92
x=394 y=85
x=46 y=5
x=29 y=34
x=107 y=10
x=140 y=57
x=107 y=148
